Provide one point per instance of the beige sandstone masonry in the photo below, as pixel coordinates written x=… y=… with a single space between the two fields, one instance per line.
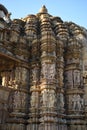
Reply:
x=43 y=73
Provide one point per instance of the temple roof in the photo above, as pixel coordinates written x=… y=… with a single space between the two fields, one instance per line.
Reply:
x=3 y=9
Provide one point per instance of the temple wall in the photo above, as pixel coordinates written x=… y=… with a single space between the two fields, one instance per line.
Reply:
x=43 y=73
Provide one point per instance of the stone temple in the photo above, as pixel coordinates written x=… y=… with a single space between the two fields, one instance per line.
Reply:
x=43 y=73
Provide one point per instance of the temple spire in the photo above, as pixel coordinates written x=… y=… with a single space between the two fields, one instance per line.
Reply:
x=43 y=9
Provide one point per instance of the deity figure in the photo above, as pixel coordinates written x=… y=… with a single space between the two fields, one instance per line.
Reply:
x=76 y=77
x=19 y=100
x=35 y=74
x=18 y=73
x=69 y=78
x=60 y=75
x=52 y=98
x=16 y=101
x=49 y=98
x=24 y=74
x=23 y=99
x=34 y=99
x=60 y=100
x=77 y=102
x=48 y=70
x=45 y=97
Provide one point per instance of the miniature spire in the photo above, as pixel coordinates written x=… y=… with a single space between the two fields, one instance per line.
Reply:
x=43 y=9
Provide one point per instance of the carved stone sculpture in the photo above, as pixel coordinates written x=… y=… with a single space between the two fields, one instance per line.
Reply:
x=45 y=97
x=48 y=70
x=43 y=63
x=34 y=99
x=60 y=100
x=77 y=102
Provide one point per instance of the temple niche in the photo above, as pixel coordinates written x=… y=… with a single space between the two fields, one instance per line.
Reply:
x=43 y=73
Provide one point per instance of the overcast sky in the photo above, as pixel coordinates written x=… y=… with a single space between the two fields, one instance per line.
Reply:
x=68 y=10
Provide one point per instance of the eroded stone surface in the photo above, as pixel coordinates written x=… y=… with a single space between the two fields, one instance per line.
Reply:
x=43 y=73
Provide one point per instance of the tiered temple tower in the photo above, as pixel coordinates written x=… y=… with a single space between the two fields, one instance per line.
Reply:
x=43 y=73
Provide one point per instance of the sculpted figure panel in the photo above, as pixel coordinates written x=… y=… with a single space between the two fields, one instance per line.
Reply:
x=49 y=98
x=69 y=78
x=72 y=78
x=60 y=100
x=35 y=74
x=16 y=101
x=21 y=74
x=34 y=99
x=52 y=98
x=18 y=73
x=14 y=36
x=19 y=100
x=60 y=75
x=76 y=77
x=24 y=74
x=48 y=70
x=45 y=97
x=77 y=102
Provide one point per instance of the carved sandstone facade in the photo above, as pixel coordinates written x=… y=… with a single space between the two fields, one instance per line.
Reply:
x=43 y=73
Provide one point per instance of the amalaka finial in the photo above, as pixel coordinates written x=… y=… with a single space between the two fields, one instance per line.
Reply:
x=43 y=9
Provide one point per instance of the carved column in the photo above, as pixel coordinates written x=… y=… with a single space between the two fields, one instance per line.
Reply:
x=31 y=27
x=84 y=56
x=60 y=86
x=74 y=84
x=15 y=30
x=4 y=94
x=19 y=98
x=33 y=121
x=48 y=91
x=48 y=108
x=62 y=34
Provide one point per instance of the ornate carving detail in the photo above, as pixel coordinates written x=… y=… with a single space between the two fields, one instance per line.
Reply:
x=73 y=78
x=48 y=98
x=60 y=100
x=77 y=102
x=42 y=66
x=35 y=74
x=48 y=71
x=19 y=100
x=34 y=99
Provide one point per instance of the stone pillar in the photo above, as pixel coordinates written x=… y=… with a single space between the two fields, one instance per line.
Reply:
x=34 y=107
x=48 y=107
x=33 y=121
x=31 y=28
x=84 y=56
x=48 y=96
x=15 y=30
x=74 y=84
x=85 y=96
x=62 y=35
x=60 y=79
x=4 y=96
x=19 y=98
